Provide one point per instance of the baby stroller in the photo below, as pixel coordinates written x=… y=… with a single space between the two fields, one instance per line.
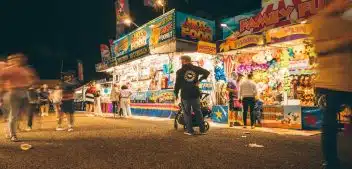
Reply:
x=206 y=111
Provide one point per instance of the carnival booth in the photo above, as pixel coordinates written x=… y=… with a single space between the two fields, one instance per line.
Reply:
x=146 y=60
x=276 y=48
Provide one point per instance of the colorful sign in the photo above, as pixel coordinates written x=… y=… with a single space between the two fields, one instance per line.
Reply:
x=152 y=34
x=206 y=47
x=249 y=40
x=220 y=114
x=160 y=96
x=312 y=118
x=275 y=13
x=100 y=67
x=282 y=117
x=279 y=34
x=193 y=28
x=230 y=31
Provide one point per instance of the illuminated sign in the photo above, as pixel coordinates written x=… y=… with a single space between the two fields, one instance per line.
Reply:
x=284 y=14
x=194 y=28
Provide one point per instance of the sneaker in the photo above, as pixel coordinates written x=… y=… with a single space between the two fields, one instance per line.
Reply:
x=253 y=127
x=70 y=129
x=28 y=129
x=59 y=129
x=189 y=134
x=14 y=139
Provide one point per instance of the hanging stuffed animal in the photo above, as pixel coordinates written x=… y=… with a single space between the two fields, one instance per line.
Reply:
x=219 y=72
x=268 y=55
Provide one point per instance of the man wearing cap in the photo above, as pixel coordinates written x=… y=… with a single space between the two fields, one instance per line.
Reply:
x=187 y=80
x=18 y=78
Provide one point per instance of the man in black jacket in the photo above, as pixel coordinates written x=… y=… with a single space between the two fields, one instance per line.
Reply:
x=187 y=80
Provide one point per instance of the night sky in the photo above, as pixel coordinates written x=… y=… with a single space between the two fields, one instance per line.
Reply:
x=49 y=31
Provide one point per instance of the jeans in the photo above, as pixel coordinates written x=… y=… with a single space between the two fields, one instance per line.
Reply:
x=126 y=108
x=114 y=107
x=15 y=101
x=188 y=106
x=330 y=103
x=248 y=102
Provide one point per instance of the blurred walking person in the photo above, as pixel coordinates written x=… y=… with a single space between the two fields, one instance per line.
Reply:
x=248 y=92
x=333 y=42
x=18 y=79
x=33 y=97
x=56 y=99
x=125 y=102
x=69 y=85
x=44 y=100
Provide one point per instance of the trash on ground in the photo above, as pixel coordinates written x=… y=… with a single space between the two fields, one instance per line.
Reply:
x=255 y=145
x=247 y=133
x=26 y=147
x=244 y=136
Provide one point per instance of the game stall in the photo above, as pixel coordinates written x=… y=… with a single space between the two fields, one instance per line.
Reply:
x=146 y=60
x=274 y=44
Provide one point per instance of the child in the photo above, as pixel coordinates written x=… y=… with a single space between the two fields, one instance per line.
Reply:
x=258 y=110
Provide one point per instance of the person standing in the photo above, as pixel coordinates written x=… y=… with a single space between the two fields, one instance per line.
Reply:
x=33 y=106
x=114 y=97
x=187 y=80
x=68 y=89
x=90 y=92
x=44 y=100
x=125 y=102
x=248 y=92
x=17 y=78
x=333 y=42
x=234 y=104
x=56 y=99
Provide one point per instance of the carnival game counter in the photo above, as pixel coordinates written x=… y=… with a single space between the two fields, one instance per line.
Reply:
x=158 y=103
x=276 y=116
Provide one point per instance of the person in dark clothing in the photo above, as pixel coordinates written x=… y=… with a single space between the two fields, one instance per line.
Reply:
x=187 y=80
x=68 y=86
x=333 y=38
x=33 y=97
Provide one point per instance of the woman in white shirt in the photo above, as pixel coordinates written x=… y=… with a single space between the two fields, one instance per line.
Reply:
x=125 y=95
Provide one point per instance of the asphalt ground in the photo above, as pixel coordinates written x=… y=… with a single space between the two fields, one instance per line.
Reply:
x=106 y=143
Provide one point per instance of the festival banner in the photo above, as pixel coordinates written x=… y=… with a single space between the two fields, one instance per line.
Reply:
x=249 y=40
x=122 y=9
x=275 y=13
x=206 y=47
x=288 y=33
x=193 y=28
x=80 y=70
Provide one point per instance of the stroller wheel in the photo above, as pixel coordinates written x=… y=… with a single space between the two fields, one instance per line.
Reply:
x=206 y=125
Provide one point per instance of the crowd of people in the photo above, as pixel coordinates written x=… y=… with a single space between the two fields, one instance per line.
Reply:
x=120 y=98
x=19 y=96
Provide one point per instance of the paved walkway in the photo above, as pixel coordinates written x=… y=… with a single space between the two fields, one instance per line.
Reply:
x=105 y=143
